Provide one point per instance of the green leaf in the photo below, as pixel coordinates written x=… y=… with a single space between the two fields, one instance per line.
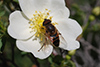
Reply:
x=50 y=60
x=71 y=64
x=68 y=63
x=1 y=35
x=2 y=13
x=3 y=43
x=15 y=1
x=1 y=3
x=57 y=59
x=96 y=27
x=23 y=53
x=0 y=44
x=54 y=65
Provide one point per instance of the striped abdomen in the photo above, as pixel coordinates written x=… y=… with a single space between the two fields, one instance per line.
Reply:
x=56 y=39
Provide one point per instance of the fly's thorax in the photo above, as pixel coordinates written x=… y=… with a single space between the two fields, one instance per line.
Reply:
x=46 y=22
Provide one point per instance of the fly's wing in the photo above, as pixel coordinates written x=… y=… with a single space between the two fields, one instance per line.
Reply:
x=63 y=43
x=50 y=39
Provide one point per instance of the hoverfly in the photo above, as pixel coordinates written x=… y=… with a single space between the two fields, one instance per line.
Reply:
x=52 y=34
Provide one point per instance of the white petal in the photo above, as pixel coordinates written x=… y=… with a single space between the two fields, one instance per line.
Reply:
x=69 y=27
x=33 y=47
x=30 y=6
x=70 y=30
x=58 y=9
x=70 y=45
x=54 y=5
x=19 y=27
x=60 y=14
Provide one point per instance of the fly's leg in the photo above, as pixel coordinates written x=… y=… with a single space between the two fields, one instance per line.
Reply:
x=41 y=47
x=43 y=44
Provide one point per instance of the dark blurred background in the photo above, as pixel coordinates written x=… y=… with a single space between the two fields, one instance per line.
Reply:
x=87 y=13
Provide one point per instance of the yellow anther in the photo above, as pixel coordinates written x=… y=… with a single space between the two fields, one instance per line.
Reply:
x=31 y=19
x=47 y=13
x=32 y=27
x=37 y=35
x=39 y=11
x=46 y=9
x=31 y=24
x=34 y=15
x=50 y=17
x=35 y=11
x=55 y=23
x=38 y=14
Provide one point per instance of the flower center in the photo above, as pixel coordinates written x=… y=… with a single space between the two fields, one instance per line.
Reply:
x=36 y=23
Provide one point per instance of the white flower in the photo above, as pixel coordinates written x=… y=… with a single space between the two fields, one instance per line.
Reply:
x=26 y=26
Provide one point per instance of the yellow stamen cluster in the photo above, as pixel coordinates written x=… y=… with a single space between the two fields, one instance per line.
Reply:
x=36 y=23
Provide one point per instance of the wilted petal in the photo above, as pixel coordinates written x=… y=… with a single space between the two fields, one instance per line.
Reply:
x=70 y=30
x=19 y=27
x=33 y=47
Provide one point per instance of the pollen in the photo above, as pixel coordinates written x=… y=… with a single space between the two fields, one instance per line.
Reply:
x=47 y=13
x=31 y=24
x=30 y=19
x=55 y=23
x=35 y=11
x=46 y=9
x=50 y=17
